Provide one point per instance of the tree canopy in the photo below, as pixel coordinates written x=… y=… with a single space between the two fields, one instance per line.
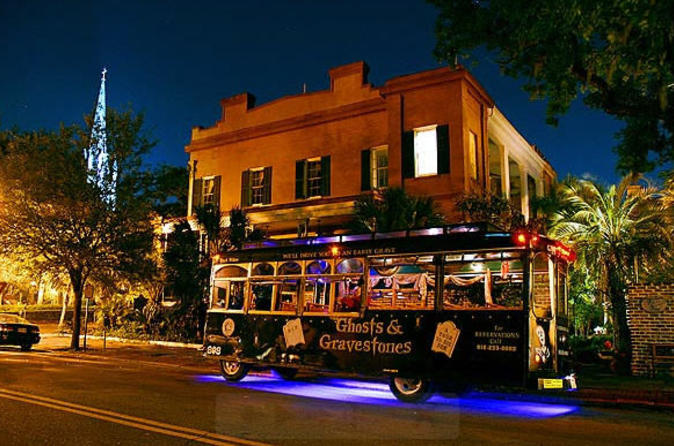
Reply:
x=614 y=229
x=617 y=55
x=52 y=215
x=394 y=210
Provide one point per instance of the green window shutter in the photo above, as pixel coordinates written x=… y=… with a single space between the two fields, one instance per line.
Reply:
x=365 y=181
x=325 y=176
x=442 y=135
x=245 y=188
x=408 y=154
x=216 y=186
x=266 y=199
x=300 y=179
x=196 y=193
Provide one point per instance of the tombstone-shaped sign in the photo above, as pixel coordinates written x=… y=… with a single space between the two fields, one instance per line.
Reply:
x=292 y=332
x=446 y=336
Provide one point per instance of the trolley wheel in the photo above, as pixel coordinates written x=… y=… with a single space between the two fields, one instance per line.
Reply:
x=287 y=373
x=233 y=370
x=410 y=390
x=26 y=347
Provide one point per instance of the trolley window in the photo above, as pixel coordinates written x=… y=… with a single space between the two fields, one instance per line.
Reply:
x=402 y=283
x=483 y=281
x=231 y=271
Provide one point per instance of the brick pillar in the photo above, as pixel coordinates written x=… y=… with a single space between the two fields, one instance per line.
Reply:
x=650 y=316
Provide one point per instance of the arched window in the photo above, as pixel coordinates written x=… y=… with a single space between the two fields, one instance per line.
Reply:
x=263 y=269
x=290 y=269
x=318 y=267
x=231 y=271
x=348 y=266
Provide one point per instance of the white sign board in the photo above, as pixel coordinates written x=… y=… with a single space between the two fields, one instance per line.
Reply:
x=292 y=332
x=446 y=336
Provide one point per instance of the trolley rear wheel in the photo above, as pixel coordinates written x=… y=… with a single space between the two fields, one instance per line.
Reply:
x=410 y=390
x=233 y=370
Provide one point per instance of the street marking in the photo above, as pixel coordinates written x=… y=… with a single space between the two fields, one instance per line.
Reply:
x=128 y=420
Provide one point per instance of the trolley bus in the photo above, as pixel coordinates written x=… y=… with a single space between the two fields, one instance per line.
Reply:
x=461 y=304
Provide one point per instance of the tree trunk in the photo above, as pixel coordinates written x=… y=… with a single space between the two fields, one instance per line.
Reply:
x=64 y=308
x=621 y=331
x=77 y=282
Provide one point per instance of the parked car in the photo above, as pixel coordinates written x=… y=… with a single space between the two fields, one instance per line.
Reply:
x=15 y=330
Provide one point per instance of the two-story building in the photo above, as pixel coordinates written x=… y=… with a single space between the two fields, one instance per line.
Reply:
x=296 y=164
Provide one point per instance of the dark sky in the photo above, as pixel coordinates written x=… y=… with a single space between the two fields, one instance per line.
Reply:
x=176 y=59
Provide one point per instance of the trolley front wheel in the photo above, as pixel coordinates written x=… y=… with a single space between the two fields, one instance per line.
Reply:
x=233 y=370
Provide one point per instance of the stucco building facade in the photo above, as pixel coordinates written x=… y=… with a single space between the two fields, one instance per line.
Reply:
x=296 y=164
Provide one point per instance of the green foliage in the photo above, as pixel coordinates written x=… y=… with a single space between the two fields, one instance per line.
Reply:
x=53 y=217
x=614 y=54
x=613 y=229
x=394 y=210
x=586 y=349
x=491 y=208
x=166 y=187
x=187 y=278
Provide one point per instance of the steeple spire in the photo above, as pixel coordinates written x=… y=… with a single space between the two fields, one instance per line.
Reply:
x=101 y=170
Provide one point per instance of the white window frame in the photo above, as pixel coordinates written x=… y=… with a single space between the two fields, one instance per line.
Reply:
x=472 y=155
x=319 y=178
x=211 y=196
x=376 y=170
x=426 y=151
x=256 y=188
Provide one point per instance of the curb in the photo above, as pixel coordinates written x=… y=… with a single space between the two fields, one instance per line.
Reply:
x=134 y=341
x=610 y=399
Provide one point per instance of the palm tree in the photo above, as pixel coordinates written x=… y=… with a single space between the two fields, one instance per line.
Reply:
x=616 y=231
x=394 y=210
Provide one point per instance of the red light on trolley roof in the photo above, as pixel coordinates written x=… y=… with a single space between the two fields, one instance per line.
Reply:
x=521 y=238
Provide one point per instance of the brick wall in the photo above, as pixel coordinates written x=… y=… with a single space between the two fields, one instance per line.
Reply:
x=650 y=314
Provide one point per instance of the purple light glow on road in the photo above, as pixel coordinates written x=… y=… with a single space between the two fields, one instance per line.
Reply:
x=369 y=392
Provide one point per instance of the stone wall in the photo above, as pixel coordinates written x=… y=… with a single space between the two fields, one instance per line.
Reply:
x=650 y=314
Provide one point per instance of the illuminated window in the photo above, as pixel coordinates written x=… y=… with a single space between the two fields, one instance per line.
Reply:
x=257 y=186
x=495 y=168
x=313 y=178
x=472 y=155
x=209 y=191
x=379 y=165
x=425 y=151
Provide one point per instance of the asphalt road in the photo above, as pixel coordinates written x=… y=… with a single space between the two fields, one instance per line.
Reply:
x=50 y=400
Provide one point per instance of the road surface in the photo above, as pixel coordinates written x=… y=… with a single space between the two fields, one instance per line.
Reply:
x=46 y=399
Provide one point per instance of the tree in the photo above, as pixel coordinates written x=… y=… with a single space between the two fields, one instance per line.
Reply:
x=491 y=208
x=615 y=54
x=614 y=229
x=187 y=277
x=166 y=186
x=53 y=216
x=394 y=210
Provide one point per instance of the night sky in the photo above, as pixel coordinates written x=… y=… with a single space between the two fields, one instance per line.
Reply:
x=175 y=60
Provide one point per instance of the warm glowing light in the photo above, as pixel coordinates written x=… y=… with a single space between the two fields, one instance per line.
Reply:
x=216 y=258
x=334 y=251
x=521 y=238
x=562 y=251
x=425 y=151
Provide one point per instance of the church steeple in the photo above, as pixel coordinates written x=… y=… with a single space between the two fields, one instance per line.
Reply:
x=102 y=171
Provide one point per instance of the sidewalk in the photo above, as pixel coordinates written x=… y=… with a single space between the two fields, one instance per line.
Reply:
x=594 y=390
x=188 y=356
